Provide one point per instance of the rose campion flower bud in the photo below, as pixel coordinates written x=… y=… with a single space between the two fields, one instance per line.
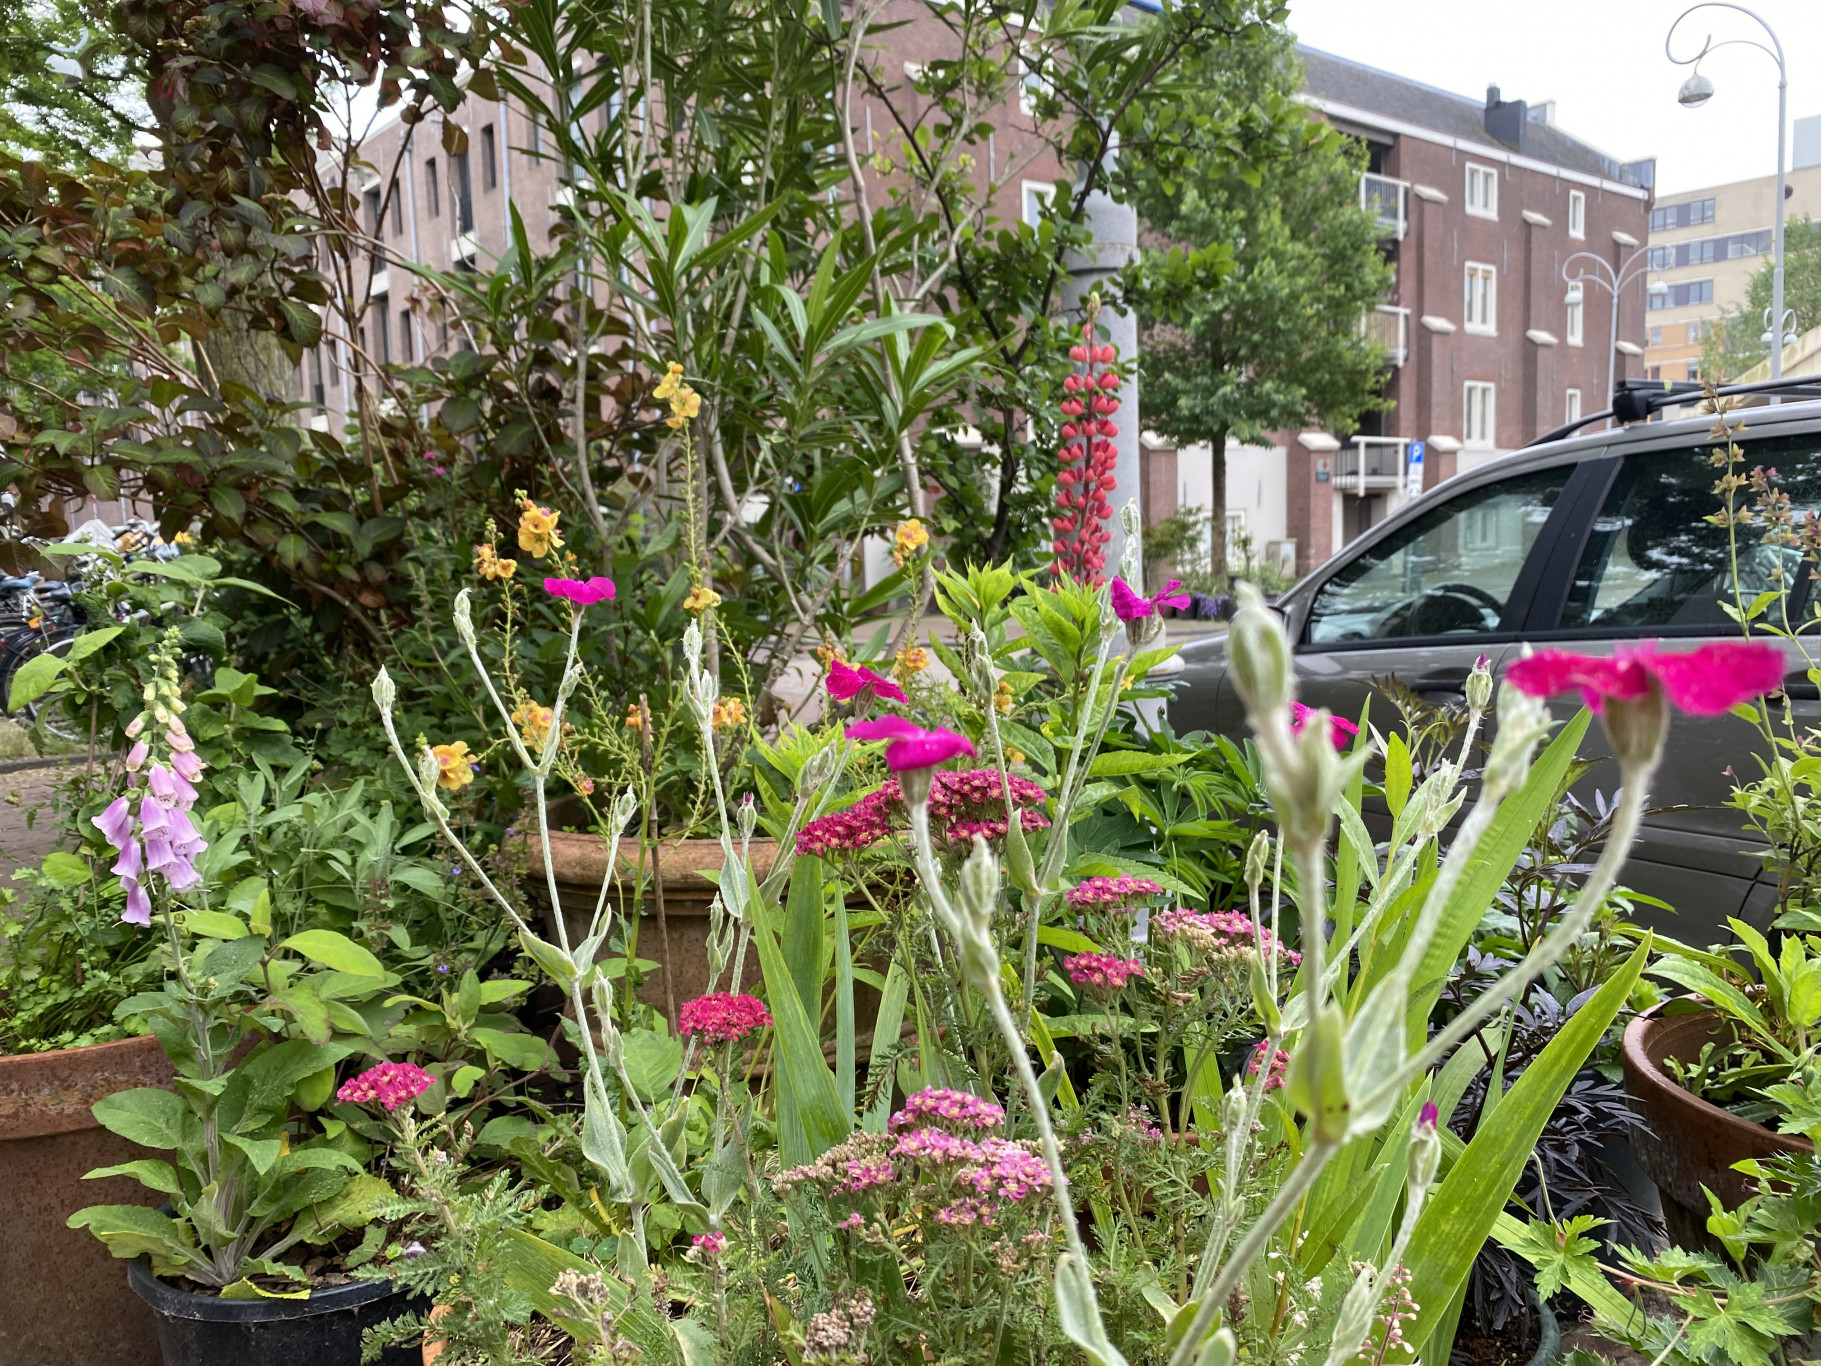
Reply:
x=385 y=691
x=1479 y=685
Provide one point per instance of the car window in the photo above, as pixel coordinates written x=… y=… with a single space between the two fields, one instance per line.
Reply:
x=1653 y=561
x=1449 y=572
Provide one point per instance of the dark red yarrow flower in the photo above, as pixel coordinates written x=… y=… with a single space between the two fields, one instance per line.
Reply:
x=392 y=1084
x=1703 y=682
x=723 y=1017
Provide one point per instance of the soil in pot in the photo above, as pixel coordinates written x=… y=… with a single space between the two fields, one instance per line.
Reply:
x=66 y=1302
x=1531 y=1338
x=324 y=1330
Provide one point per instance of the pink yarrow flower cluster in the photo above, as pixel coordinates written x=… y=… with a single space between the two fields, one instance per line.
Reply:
x=1106 y=893
x=1087 y=479
x=940 y=1106
x=1703 y=682
x=961 y=805
x=722 y=1017
x=1218 y=932
x=1341 y=732
x=392 y=1084
x=1106 y=971
x=159 y=837
x=1280 y=1065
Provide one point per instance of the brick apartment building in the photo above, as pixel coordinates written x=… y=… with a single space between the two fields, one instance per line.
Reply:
x=1482 y=204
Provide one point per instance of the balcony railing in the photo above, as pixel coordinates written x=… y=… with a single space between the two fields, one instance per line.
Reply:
x=1389 y=199
x=1390 y=327
x=1381 y=458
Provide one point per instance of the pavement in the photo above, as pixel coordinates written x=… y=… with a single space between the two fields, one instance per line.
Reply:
x=29 y=823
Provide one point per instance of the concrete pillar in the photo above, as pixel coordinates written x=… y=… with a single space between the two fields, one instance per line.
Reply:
x=1115 y=229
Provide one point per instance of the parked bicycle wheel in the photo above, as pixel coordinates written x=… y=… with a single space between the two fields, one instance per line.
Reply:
x=18 y=647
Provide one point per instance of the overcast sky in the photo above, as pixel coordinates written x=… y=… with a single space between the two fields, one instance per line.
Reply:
x=1602 y=62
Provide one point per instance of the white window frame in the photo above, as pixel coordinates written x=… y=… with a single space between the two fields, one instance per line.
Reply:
x=1028 y=79
x=1488 y=178
x=1481 y=435
x=1577 y=215
x=1575 y=331
x=1572 y=406
x=1488 y=325
x=1043 y=190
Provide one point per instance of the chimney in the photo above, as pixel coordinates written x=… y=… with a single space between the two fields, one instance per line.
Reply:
x=1506 y=119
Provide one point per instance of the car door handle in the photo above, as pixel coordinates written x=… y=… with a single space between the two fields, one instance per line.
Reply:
x=1455 y=680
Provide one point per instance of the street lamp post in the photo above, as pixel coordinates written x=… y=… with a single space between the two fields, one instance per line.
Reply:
x=1598 y=270
x=1697 y=90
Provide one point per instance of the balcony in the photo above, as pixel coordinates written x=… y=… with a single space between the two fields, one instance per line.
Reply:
x=1389 y=326
x=1389 y=199
x=1370 y=462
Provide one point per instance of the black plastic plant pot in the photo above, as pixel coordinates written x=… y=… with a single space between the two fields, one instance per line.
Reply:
x=324 y=1330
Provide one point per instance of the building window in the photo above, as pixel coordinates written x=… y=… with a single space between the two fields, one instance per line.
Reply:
x=1573 y=407
x=1037 y=195
x=1694 y=370
x=1031 y=85
x=1689 y=215
x=1656 y=336
x=1654 y=372
x=375 y=227
x=1477 y=424
x=537 y=139
x=1734 y=246
x=398 y=209
x=1679 y=294
x=464 y=195
x=1482 y=299
x=1576 y=310
x=490 y=167
x=433 y=194
x=1577 y=213
x=381 y=328
x=407 y=351
x=1482 y=190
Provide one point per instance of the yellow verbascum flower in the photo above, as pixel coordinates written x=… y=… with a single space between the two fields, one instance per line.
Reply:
x=533 y=722
x=701 y=598
x=1002 y=698
x=908 y=540
x=537 y=533
x=635 y=719
x=491 y=566
x=454 y=767
x=911 y=659
x=728 y=713
x=684 y=402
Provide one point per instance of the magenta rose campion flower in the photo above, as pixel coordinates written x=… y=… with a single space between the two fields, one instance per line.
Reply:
x=1340 y=732
x=848 y=681
x=582 y=592
x=1129 y=606
x=1703 y=682
x=911 y=747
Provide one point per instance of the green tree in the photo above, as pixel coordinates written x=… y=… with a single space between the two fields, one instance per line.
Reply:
x=1252 y=283
x=68 y=91
x=1736 y=343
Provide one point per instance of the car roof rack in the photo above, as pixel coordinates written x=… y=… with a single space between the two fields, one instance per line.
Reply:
x=1637 y=399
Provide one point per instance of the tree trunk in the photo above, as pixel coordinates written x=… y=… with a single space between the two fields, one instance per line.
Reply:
x=238 y=354
x=1217 y=510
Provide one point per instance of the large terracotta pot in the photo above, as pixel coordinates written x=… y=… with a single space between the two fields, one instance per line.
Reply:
x=581 y=863
x=1682 y=1142
x=64 y=1299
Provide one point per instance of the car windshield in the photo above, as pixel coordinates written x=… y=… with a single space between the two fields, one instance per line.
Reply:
x=1449 y=572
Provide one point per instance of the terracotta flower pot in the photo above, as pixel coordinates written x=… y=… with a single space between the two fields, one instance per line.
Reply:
x=434 y=1347
x=581 y=863
x=1683 y=1142
x=66 y=1297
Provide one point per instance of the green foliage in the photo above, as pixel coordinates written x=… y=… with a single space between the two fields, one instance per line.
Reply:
x=1735 y=343
x=1252 y=312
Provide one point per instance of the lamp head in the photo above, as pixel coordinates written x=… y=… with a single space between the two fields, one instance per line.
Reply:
x=1574 y=292
x=1696 y=91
